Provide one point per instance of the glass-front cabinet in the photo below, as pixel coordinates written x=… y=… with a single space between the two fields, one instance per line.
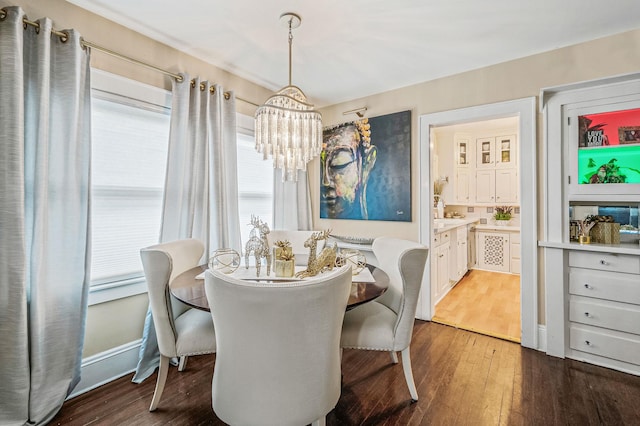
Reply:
x=506 y=151
x=463 y=150
x=485 y=149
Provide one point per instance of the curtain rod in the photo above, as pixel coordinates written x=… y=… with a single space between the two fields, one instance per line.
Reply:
x=64 y=36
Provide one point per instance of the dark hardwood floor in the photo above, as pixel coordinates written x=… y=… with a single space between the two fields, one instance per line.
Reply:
x=463 y=378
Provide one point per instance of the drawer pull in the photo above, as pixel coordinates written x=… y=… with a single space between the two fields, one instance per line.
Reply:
x=588 y=343
x=587 y=286
x=603 y=262
x=586 y=314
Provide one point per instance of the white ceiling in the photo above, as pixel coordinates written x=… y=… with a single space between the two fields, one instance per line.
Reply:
x=347 y=49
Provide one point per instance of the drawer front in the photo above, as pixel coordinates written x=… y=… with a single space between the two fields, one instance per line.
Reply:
x=445 y=237
x=602 y=313
x=616 y=346
x=605 y=261
x=605 y=285
x=515 y=237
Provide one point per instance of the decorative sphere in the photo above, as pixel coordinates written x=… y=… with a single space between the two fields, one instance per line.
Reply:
x=225 y=260
x=353 y=258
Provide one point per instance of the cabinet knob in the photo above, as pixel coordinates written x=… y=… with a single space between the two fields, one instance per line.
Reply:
x=588 y=286
x=603 y=262
x=586 y=314
x=588 y=343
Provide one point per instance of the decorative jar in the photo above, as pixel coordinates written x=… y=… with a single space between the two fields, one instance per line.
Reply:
x=225 y=260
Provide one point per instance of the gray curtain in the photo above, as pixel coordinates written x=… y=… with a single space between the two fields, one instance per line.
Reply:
x=201 y=189
x=292 y=203
x=45 y=144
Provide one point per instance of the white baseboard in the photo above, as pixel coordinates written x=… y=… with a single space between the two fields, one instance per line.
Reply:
x=542 y=338
x=107 y=366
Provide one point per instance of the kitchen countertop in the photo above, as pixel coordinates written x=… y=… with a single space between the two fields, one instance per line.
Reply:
x=443 y=225
x=494 y=227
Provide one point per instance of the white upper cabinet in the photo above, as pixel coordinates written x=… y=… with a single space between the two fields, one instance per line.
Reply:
x=485 y=169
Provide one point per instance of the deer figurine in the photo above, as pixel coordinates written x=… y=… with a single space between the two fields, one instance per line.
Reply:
x=258 y=244
x=325 y=260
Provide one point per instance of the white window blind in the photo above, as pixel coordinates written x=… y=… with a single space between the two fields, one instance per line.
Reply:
x=129 y=154
x=255 y=185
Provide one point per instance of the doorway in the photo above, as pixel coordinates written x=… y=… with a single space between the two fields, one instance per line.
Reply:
x=480 y=287
x=525 y=110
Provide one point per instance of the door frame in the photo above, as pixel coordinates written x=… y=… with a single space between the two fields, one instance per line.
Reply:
x=525 y=110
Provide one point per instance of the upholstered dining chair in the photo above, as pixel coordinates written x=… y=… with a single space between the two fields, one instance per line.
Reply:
x=386 y=324
x=181 y=331
x=278 y=348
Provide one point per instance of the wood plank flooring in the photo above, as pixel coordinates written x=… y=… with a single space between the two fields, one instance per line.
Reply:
x=485 y=302
x=463 y=378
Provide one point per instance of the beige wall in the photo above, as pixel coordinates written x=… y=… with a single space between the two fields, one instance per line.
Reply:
x=118 y=322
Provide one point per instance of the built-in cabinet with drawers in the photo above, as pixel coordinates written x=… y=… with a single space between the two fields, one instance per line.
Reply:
x=604 y=307
x=485 y=170
x=592 y=291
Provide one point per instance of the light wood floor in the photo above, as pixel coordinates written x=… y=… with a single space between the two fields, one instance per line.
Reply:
x=484 y=302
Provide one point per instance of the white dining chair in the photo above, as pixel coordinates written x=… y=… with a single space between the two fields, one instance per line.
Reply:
x=278 y=348
x=386 y=324
x=181 y=331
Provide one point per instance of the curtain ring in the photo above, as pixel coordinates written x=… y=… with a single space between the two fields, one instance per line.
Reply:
x=64 y=37
x=202 y=87
x=193 y=83
x=212 y=89
x=227 y=95
x=37 y=26
x=3 y=14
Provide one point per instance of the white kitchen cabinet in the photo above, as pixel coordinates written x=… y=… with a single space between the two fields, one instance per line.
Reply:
x=506 y=186
x=485 y=153
x=464 y=150
x=514 y=252
x=440 y=264
x=485 y=185
x=485 y=170
x=505 y=151
x=494 y=251
x=461 y=253
x=462 y=193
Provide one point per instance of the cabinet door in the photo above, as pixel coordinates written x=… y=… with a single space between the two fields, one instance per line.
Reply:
x=485 y=186
x=493 y=251
x=463 y=151
x=506 y=151
x=462 y=187
x=461 y=255
x=506 y=184
x=485 y=153
x=443 y=269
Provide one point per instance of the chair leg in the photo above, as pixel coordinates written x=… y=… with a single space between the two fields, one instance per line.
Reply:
x=394 y=357
x=162 y=379
x=322 y=421
x=408 y=374
x=183 y=363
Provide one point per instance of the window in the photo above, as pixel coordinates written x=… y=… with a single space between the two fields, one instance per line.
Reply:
x=255 y=180
x=130 y=132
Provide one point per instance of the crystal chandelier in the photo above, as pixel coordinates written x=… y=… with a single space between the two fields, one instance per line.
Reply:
x=287 y=127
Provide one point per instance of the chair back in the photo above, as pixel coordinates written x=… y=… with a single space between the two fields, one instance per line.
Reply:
x=404 y=261
x=278 y=347
x=162 y=263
